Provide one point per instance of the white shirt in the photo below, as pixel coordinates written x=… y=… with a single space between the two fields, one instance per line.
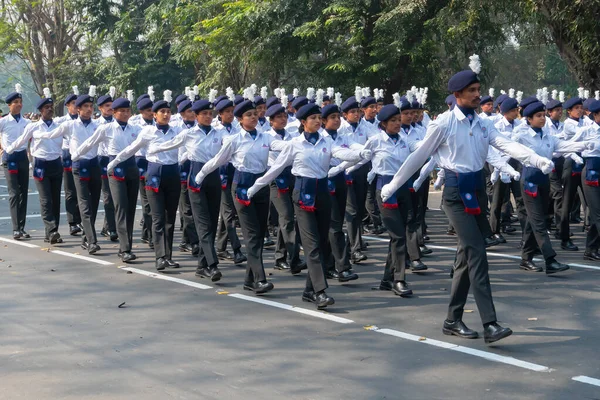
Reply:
x=590 y=133
x=263 y=127
x=364 y=130
x=40 y=148
x=77 y=133
x=505 y=127
x=570 y=128
x=61 y=120
x=555 y=130
x=148 y=136
x=103 y=146
x=182 y=154
x=11 y=130
x=547 y=144
x=344 y=142
x=387 y=155
x=112 y=136
x=274 y=154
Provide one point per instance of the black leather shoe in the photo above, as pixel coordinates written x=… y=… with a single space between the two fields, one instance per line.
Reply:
x=400 y=288
x=509 y=229
x=113 y=236
x=386 y=285
x=239 y=257
x=425 y=250
x=332 y=274
x=378 y=230
x=54 y=237
x=346 y=276
x=300 y=266
x=74 y=230
x=214 y=274
x=513 y=219
x=451 y=232
x=568 y=245
x=530 y=266
x=322 y=300
x=195 y=250
x=84 y=244
x=224 y=255
x=25 y=234
x=104 y=233
x=282 y=265
x=357 y=257
x=489 y=242
x=495 y=332
x=591 y=255
x=17 y=235
x=499 y=238
x=308 y=297
x=426 y=238
x=145 y=240
x=269 y=242
x=458 y=328
x=127 y=257
x=417 y=266
x=172 y=264
x=262 y=287
x=93 y=248
x=161 y=264
x=186 y=247
x=554 y=267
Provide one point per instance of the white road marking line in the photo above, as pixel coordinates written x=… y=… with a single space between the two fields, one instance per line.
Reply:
x=80 y=257
x=586 y=379
x=19 y=243
x=467 y=350
x=63 y=213
x=166 y=278
x=287 y=307
x=489 y=253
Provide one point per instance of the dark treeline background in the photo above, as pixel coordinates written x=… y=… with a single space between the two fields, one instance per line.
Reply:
x=388 y=44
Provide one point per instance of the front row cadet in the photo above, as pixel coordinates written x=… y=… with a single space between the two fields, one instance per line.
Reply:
x=310 y=155
x=461 y=139
x=535 y=187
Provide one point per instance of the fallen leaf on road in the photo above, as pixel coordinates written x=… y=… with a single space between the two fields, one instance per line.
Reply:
x=468 y=310
x=222 y=292
x=422 y=338
x=532 y=319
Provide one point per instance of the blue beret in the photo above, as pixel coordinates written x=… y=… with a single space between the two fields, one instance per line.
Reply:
x=533 y=108
x=552 y=104
x=159 y=105
x=326 y=98
x=273 y=100
x=218 y=99
x=180 y=98
x=238 y=99
x=450 y=100
x=103 y=100
x=144 y=103
x=367 y=101
x=201 y=105
x=330 y=109
x=587 y=102
x=508 y=104
x=388 y=111
x=223 y=104
x=461 y=80
x=290 y=98
x=274 y=110
x=243 y=107
x=43 y=102
x=500 y=99
x=12 y=97
x=486 y=99
x=527 y=101
x=82 y=99
x=572 y=102
x=142 y=97
x=404 y=105
x=299 y=102
x=70 y=98
x=307 y=110
x=415 y=105
x=183 y=105
x=258 y=100
x=120 y=103
x=594 y=106
x=349 y=104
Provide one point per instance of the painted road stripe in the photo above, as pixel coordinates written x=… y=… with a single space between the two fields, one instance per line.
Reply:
x=80 y=257
x=18 y=243
x=462 y=349
x=287 y=307
x=166 y=278
x=587 y=379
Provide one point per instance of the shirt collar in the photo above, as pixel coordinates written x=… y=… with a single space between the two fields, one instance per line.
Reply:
x=533 y=133
x=461 y=117
x=318 y=140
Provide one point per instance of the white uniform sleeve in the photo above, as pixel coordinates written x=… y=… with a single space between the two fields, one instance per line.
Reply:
x=21 y=140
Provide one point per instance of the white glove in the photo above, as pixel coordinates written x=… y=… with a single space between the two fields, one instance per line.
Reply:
x=417 y=184
x=546 y=165
x=333 y=171
x=370 y=176
x=252 y=191
x=439 y=182
x=495 y=175
x=590 y=145
x=109 y=168
x=578 y=160
x=365 y=154
x=386 y=192
x=152 y=149
x=504 y=177
x=516 y=176
x=199 y=178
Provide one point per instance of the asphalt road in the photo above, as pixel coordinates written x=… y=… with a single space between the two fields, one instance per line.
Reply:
x=63 y=336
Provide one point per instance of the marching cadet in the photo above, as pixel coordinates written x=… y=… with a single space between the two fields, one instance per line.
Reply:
x=261 y=108
x=536 y=187
x=47 y=165
x=86 y=170
x=226 y=229
x=124 y=179
x=461 y=140
x=176 y=118
x=368 y=107
x=201 y=142
x=248 y=151
x=16 y=165
x=555 y=127
x=109 y=229
x=309 y=155
x=487 y=105
x=162 y=180
x=71 y=206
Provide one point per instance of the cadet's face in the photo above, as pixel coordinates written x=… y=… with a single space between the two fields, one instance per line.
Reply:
x=415 y=114
x=86 y=110
x=596 y=117
x=279 y=121
x=188 y=115
x=393 y=124
x=487 y=107
x=47 y=112
x=511 y=115
x=470 y=96
x=326 y=103
x=312 y=123
x=261 y=110
x=249 y=120
x=333 y=121
x=379 y=106
x=576 y=111
x=163 y=116
x=147 y=114
x=204 y=117
x=122 y=114
x=71 y=108
x=538 y=120
x=106 y=109
x=556 y=113
x=227 y=115
x=352 y=116
x=370 y=111
x=15 y=106
x=406 y=117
